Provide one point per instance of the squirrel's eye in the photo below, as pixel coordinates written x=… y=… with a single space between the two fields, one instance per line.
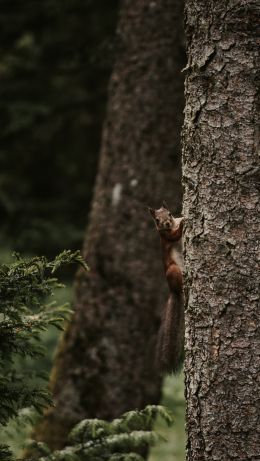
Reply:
x=157 y=220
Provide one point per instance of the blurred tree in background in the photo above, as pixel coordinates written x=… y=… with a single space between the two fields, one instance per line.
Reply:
x=55 y=61
x=105 y=364
x=56 y=58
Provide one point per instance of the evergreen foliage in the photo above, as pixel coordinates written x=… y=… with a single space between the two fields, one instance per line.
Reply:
x=25 y=285
x=123 y=439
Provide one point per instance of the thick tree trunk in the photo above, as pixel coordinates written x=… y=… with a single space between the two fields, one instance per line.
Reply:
x=106 y=363
x=220 y=206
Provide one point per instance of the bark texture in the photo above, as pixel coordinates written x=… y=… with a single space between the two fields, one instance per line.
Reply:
x=220 y=206
x=105 y=365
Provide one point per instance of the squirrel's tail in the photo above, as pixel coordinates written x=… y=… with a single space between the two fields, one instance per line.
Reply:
x=169 y=351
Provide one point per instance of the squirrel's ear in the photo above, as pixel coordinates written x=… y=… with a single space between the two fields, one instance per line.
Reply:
x=151 y=211
x=179 y=221
x=165 y=205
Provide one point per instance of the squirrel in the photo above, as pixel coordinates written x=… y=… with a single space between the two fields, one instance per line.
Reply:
x=169 y=350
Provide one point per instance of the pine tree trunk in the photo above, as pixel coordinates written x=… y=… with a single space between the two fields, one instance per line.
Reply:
x=220 y=206
x=105 y=365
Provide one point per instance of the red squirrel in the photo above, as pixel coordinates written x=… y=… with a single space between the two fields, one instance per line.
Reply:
x=171 y=333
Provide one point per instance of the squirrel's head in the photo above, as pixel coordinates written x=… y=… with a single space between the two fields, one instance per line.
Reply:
x=163 y=218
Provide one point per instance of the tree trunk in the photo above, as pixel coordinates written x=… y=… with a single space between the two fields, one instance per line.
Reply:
x=105 y=365
x=220 y=206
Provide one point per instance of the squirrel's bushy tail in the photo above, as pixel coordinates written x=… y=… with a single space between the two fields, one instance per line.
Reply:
x=169 y=351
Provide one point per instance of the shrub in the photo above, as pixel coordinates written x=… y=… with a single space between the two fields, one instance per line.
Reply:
x=123 y=439
x=25 y=285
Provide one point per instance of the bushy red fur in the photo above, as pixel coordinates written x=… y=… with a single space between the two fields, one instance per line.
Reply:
x=171 y=333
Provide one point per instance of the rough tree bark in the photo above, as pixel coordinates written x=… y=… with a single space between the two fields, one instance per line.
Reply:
x=105 y=365
x=220 y=206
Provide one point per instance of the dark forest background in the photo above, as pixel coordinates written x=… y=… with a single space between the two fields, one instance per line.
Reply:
x=56 y=57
